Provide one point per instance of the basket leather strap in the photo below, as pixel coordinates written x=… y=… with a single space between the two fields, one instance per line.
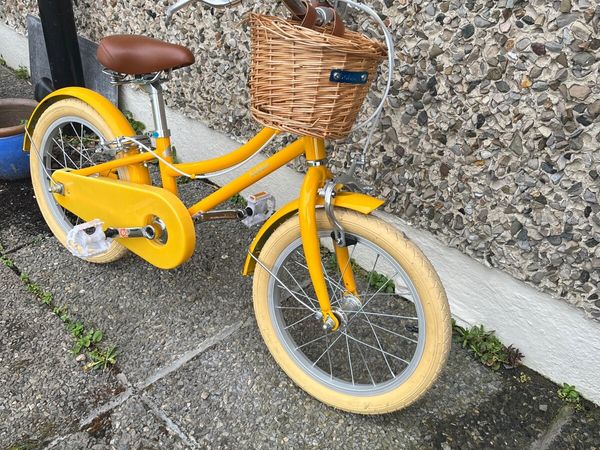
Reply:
x=338 y=25
x=310 y=18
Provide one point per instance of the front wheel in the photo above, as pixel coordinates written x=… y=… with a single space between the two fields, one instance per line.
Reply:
x=394 y=334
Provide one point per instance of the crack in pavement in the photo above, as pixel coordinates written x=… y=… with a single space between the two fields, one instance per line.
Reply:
x=547 y=437
x=138 y=388
x=57 y=440
x=172 y=426
x=189 y=355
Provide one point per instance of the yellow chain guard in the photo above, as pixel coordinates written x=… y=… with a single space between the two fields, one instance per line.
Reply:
x=121 y=204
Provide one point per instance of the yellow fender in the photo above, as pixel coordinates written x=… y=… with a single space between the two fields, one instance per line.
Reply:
x=109 y=112
x=362 y=203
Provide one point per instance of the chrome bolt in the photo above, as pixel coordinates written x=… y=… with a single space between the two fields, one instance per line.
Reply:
x=329 y=324
x=337 y=75
x=57 y=189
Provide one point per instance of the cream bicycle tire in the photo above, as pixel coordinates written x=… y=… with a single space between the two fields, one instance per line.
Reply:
x=57 y=115
x=437 y=333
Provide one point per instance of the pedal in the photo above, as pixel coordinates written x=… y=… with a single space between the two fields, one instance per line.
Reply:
x=87 y=239
x=260 y=207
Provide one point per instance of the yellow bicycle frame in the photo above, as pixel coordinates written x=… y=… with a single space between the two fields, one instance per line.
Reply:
x=316 y=176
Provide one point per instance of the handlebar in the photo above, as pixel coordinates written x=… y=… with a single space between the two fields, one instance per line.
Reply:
x=171 y=10
x=297 y=7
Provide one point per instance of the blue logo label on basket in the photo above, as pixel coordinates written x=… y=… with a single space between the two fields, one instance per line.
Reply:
x=345 y=76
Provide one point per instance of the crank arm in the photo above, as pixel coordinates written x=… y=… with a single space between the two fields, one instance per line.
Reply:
x=147 y=232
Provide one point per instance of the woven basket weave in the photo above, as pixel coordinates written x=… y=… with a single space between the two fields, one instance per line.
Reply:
x=290 y=77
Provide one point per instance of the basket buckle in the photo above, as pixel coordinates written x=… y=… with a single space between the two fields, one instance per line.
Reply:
x=345 y=76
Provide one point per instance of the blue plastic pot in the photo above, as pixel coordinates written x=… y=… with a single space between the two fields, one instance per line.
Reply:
x=14 y=163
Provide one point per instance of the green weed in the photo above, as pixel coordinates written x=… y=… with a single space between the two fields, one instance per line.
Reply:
x=524 y=378
x=238 y=200
x=102 y=358
x=22 y=73
x=7 y=262
x=138 y=127
x=375 y=280
x=567 y=393
x=2 y=61
x=85 y=340
x=45 y=297
x=380 y=282
x=487 y=347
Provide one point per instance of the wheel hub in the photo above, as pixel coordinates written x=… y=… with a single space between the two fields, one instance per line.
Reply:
x=350 y=303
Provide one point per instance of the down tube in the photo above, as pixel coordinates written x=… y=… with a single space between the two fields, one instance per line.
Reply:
x=250 y=177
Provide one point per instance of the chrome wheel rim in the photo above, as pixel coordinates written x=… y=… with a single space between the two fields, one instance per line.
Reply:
x=373 y=352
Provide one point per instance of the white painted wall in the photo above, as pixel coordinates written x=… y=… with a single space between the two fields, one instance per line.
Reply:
x=13 y=47
x=557 y=340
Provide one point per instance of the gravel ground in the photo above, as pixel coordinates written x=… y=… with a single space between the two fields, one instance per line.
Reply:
x=12 y=87
x=44 y=390
x=193 y=372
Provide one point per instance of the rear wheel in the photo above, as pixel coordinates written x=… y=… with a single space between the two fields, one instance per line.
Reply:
x=68 y=135
x=394 y=336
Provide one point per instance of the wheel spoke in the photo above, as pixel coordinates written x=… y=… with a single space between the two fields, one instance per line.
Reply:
x=374 y=348
x=392 y=332
x=370 y=275
x=57 y=161
x=328 y=357
x=65 y=155
x=380 y=347
x=324 y=275
x=310 y=342
x=329 y=281
x=390 y=315
x=349 y=360
x=81 y=155
x=301 y=288
x=354 y=316
x=366 y=365
x=295 y=292
x=299 y=321
x=62 y=148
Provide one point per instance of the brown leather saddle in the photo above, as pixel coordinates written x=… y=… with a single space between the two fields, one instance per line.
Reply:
x=139 y=55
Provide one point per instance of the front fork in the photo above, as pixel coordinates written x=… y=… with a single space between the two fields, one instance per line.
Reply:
x=314 y=180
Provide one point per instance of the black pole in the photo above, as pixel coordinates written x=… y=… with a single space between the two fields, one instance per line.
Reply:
x=60 y=34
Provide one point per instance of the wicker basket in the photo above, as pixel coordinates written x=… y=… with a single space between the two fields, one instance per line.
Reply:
x=290 y=77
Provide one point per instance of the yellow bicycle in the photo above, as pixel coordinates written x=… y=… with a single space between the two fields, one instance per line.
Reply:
x=349 y=308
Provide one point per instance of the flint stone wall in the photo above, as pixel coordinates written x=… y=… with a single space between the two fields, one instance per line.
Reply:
x=490 y=140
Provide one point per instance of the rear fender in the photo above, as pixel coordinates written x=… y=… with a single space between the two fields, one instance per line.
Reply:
x=109 y=112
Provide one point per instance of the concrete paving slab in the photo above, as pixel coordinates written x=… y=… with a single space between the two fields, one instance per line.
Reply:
x=580 y=431
x=44 y=389
x=234 y=395
x=130 y=426
x=152 y=315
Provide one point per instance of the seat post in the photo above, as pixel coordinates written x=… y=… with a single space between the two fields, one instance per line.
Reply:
x=159 y=115
x=162 y=135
